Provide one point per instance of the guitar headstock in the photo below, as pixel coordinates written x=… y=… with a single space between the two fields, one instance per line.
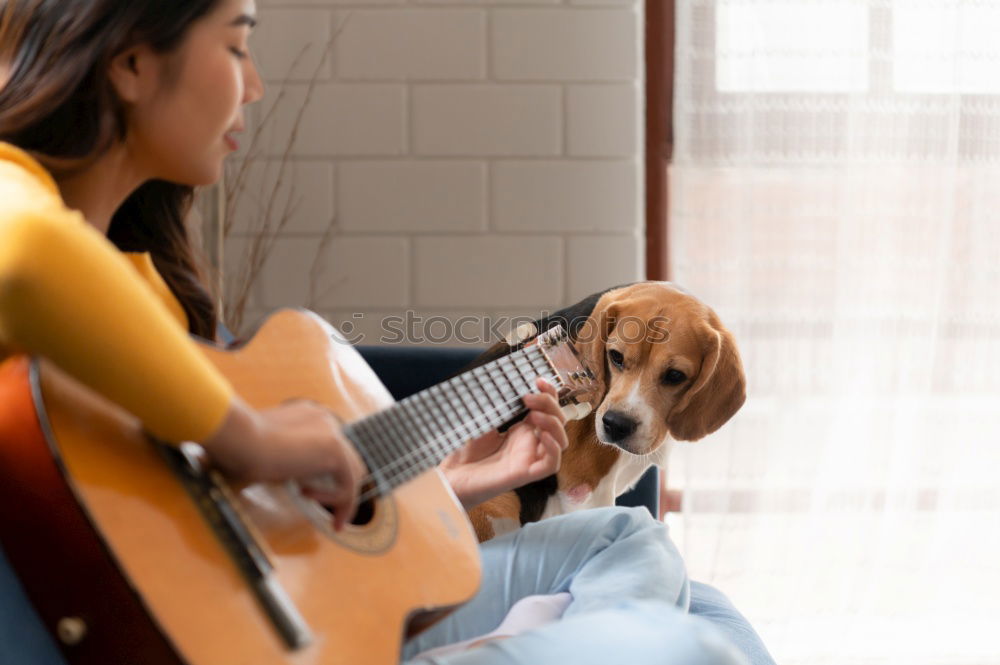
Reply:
x=577 y=383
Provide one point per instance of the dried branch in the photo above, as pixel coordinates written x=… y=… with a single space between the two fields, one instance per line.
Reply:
x=270 y=221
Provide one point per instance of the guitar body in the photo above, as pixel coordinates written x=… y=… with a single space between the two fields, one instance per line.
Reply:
x=109 y=543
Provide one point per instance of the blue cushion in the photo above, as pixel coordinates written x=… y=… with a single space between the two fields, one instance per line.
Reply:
x=709 y=602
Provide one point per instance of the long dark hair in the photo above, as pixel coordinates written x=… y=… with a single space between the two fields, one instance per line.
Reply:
x=58 y=104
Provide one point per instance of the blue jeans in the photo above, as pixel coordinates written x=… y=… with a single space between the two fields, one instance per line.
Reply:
x=630 y=598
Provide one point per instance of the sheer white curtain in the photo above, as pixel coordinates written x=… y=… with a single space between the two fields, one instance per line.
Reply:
x=835 y=195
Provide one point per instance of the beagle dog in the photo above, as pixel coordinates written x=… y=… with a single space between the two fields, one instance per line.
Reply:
x=670 y=371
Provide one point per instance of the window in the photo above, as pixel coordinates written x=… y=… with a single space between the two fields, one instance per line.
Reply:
x=776 y=46
x=791 y=46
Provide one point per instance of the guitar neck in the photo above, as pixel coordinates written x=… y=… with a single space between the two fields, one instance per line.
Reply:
x=418 y=432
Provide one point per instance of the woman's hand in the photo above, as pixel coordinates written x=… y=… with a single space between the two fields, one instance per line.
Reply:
x=495 y=463
x=297 y=440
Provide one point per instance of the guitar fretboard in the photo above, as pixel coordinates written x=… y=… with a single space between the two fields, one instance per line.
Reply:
x=419 y=431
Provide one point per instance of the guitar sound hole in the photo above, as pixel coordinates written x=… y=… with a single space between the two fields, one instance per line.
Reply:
x=365 y=513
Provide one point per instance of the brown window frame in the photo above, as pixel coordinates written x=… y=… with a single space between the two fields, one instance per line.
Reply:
x=659 y=57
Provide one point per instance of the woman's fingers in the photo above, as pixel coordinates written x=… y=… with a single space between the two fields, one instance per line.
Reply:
x=550 y=424
x=546 y=415
x=352 y=472
x=304 y=440
x=339 y=490
x=545 y=403
x=549 y=456
x=547 y=388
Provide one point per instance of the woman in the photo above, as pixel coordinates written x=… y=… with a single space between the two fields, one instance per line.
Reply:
x=110 y=111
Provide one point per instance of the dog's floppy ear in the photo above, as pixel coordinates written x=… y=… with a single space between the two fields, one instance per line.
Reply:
x=717 y=393
x=592 y=339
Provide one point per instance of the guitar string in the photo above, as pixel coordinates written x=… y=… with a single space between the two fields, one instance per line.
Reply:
x=436 y=418
x=433 y=396
x=428 y=446
x=425 y=452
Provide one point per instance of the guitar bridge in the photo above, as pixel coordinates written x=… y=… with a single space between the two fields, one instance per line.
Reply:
x=214 y=501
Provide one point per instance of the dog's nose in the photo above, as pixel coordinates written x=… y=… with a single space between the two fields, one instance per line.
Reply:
x=618 y=426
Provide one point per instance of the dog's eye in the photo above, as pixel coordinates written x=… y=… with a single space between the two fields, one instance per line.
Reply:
x=616 y=358
x=672 y=377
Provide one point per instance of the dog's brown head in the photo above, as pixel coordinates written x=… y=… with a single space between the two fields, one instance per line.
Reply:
x=668 y=365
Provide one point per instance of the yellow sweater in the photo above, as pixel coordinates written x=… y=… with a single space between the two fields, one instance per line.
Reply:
x=106 y=318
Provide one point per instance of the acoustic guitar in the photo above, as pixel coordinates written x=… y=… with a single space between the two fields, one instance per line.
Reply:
x=137 y=552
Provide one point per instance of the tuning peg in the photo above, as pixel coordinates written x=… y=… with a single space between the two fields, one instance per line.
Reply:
x=523 y=332
x=557 y=333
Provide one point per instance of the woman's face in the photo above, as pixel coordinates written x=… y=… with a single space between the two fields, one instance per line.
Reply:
x=186 y=114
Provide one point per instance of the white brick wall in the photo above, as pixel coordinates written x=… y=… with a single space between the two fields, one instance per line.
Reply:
x=456 y=158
